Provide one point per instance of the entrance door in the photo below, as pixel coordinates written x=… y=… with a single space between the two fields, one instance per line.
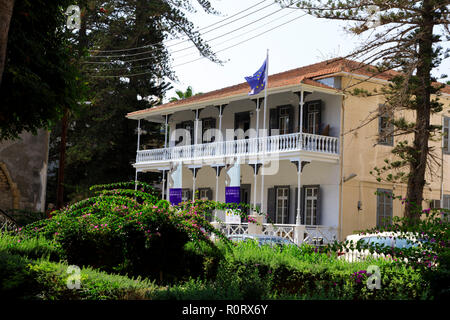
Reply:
x=245 y=196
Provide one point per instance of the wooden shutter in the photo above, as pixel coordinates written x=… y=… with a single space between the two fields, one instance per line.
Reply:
x=209 y=193
x=296 y=205
x=318 y=208
x=291 y=119
x=179 y=126
x=213 y=126
x=273 y=120
x=446 y=135
x=271 y=205
x=302 y=204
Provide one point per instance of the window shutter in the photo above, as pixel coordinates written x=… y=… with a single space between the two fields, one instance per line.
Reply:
x=271 y=203
x=319 y=119
x=191 y=130
x=209 y=193
x=435 y=204
x=318 y=209
x=273 y=120
x=178 y=126
x=302 y=204
x=296 y=204
x=446 y=135
x=291 y=119
x=189 y=194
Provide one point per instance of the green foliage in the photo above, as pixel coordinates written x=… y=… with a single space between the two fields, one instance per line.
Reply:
x=21 y=278
x=33 y=248
x=121 y=230
x=39 y=79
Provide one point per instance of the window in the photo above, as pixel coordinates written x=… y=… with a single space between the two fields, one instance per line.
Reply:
x=446 y=135
x=384 y=207
x=311 y=197
x=312 y=116
x=282 y=208
x=208 y=123
x=283 y=121
x=186 y=195
x=446 y=204
x=385 y=127
x=189 y=127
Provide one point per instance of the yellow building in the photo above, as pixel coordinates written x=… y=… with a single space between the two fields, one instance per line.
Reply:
x=308 y=133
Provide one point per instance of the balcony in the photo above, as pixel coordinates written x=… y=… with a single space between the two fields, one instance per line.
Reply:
x=280 y=145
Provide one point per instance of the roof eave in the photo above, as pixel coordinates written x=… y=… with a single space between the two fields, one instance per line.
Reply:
x=225 y=100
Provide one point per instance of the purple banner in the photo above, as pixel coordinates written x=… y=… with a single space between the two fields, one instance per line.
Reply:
x=232 y=194
x=175 y=195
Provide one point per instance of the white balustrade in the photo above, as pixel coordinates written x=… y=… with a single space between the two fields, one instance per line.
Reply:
x=242 y=147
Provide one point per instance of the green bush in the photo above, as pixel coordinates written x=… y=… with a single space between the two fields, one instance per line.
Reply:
x=33 y=247
x=122 y=230
x=296 y=272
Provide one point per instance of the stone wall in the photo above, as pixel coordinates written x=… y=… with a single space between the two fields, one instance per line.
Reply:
x=23 y=172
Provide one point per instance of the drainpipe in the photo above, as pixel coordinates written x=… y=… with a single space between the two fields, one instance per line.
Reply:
x=138 y=143
x=341 y=182
x=442 y=165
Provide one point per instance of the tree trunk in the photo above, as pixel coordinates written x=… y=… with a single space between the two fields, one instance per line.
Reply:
x=6 y=11
x=62 y=162
x=416 y=180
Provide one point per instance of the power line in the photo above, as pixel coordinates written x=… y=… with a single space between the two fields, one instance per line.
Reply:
x=189 y=54
x=161 y=42
x=217 y=37
x=181 y=64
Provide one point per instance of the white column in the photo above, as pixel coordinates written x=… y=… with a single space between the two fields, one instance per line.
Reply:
x=165 y=131
x=163 y=183
x=299 y=205
x=196 y=127
x=193 y=184
x=138 y=143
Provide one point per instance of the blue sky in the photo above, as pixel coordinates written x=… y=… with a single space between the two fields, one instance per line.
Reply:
x=303 y=41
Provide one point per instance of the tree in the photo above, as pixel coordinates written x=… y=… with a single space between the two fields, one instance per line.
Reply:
x=183 y=95
x=39 y=79
x=6 y=10
x=406 y=42
x=101 y=142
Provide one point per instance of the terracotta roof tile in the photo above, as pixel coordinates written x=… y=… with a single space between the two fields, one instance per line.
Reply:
x=290 y=77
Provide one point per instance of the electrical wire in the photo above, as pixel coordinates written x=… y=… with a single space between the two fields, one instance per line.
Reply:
x=161 y=42
x=215 y=38
x=191 y=61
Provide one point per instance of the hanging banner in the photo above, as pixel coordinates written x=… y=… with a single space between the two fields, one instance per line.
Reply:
x=175 y=196
x=232 y=194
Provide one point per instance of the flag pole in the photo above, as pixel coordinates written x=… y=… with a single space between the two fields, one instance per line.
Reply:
x=264 y=131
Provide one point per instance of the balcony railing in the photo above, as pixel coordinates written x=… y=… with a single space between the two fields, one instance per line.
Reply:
x=243 y=147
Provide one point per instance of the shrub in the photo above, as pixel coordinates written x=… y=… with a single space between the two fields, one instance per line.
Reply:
x=33 y=247
x=122 y=230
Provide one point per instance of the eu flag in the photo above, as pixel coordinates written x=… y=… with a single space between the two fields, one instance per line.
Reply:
x=257 y=82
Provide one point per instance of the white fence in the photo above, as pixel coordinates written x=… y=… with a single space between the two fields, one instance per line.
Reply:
x=243 y=147
x=315 y=235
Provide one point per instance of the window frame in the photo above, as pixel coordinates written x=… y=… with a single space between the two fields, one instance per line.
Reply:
x=204 y=129
x=381 y=218
x=384 y=116
x=315 y=198
x=287 y=208
x=446 y=127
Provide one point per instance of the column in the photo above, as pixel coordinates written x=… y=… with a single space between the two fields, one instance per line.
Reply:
x=218 y=169
x=233 y=191
x=175 y=192
x=137 y=151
